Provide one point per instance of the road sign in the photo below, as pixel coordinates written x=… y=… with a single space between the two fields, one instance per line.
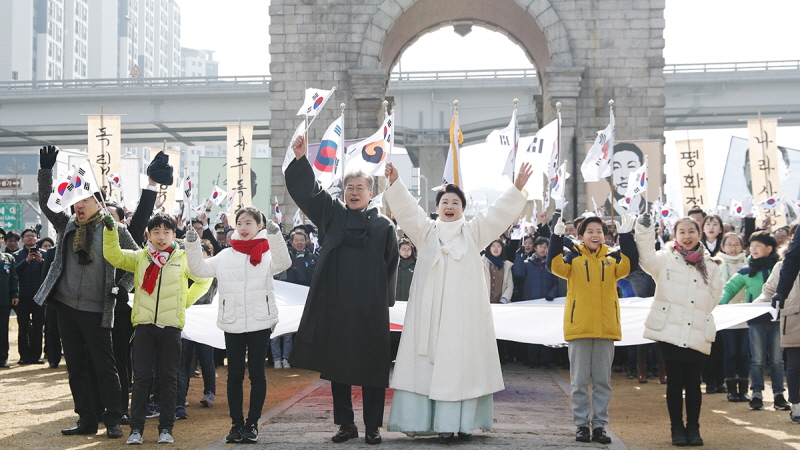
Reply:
x=135 y=72
x=11 y=216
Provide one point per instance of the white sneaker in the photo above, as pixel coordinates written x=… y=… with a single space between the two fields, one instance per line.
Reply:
x=165 y=437
x=285 y=364
x=794 y=414
x=135 y=437
x=278 y=365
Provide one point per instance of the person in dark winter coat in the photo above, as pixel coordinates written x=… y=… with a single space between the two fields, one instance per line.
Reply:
x=531 y=265
x=9 y=297
x=30 y=316
x=344 y=330
x=405 y=270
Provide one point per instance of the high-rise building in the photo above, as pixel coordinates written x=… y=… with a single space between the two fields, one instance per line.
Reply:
x=68 y=39
x=198 y=63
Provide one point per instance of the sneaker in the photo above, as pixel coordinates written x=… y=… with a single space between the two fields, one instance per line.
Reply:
x=582 y=434
x=235 y=435
x=794 y=414
x=207 y=400
x=780 y=403
x=285 y=364
x=125 y=420
x=135 y=437
x=599 y=435
x=153 y=411
x=250 y=433
x=756 y=403
x=278 y=365
x=180 y=414
x=165 y=437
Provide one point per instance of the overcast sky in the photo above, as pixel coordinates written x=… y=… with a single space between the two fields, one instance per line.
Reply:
x=697 y=31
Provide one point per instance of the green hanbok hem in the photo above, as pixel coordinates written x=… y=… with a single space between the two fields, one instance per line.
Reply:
x=418 y=415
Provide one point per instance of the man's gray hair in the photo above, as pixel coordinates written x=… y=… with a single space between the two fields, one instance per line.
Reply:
x=358 y=173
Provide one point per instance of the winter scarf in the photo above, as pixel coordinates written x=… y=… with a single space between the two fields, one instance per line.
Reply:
x=762 y=265
x=82 y=245
x=694 y=258
x=496 y=260
x=157 y=260
x=254 y=247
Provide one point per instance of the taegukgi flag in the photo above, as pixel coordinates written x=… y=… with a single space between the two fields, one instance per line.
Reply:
x=329 y=153
x=278 y=213
x=80 y=184
x=315 y=100
x=217 y=195
x=771 y=203
x=507 y=140
x=299 y=131
x=369 y=155
x=597 y=164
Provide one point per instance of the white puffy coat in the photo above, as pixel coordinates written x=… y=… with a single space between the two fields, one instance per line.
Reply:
x=682 y=305
x=246 y=292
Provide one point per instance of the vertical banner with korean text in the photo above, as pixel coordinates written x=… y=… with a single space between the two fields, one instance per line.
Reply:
x=692 y=167
x=104 y=145
x=240 y=151
x=764 y=173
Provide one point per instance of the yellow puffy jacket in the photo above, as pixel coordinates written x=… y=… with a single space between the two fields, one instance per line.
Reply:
x=166 y=306
x=591 y=309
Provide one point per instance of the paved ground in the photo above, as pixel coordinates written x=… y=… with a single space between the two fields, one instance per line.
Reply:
x=532 y=412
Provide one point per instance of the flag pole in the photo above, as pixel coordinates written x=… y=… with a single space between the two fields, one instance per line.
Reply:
x=611 y=179
x=342 y=106
x=454 y=146
x=516 y=144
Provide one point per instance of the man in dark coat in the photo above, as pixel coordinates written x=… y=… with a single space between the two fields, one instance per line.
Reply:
x=344 y=331
x=9 y=297
x=30 y=316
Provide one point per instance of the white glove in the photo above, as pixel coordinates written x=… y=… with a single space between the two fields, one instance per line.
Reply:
x=272 y=227
x=560 y=228
x=504 y=300
x=627 y=223
x=191 y=235
x=747 y=205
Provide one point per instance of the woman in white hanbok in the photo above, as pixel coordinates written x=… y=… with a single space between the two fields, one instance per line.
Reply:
x=447 y=365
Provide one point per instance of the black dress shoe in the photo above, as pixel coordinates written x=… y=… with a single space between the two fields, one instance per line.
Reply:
x=582 y=434
x=113 y=431
x=3 y=365
x=125 y=420
x=464 y=436
x=80 y=429
x=372 y=436
x=346 y=432
x=599 y=435
x=35 y=361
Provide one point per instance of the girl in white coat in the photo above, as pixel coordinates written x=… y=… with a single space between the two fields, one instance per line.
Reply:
x=447 y=366
x=247 y=311
x=688 y=287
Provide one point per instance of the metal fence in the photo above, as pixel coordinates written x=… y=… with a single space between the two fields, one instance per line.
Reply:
x=135 y=82
x=732 y=67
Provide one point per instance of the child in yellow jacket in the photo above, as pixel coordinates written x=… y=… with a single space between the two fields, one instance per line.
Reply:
x=591 y=315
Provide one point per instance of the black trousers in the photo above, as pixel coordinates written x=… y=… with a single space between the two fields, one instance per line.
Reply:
x=152 y=342
x=793 y=373
x=683 y=377
x=30 y=317
x=121 y=336
x=374 y=399
x=84 y=341
x=714 y=366
x=52 y=339
x=254 y=345
x=5 y=313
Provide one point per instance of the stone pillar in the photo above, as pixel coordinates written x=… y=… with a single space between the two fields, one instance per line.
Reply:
x=432 y=158
x=369 y=89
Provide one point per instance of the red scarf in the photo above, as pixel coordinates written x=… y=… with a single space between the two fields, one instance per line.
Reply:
x=254 y=247
x=157 y=260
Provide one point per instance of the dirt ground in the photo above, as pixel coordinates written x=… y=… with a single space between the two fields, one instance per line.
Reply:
x=36 y=404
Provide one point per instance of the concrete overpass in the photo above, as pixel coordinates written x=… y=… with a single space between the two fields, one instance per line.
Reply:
x=195 y=111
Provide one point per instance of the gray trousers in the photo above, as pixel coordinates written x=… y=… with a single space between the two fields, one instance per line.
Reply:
x=590 y=359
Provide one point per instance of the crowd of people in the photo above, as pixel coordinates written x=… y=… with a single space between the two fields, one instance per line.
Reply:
x=127 y=361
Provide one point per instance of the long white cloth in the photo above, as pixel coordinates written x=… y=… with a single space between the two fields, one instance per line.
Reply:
x=530 y=322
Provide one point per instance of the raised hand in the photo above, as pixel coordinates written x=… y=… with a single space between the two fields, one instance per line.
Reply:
x=628 y=220
x=391 y=173
x=560 y=228
x=272 y=227
x=191 y=234
x=645 y=220
x=299 y=147
x=47 y=157
x=525 y=172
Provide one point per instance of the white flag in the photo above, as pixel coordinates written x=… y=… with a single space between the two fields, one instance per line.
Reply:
x=315 y=100
x=539 y=153
x=217 y=195
x=597 y=211
x=369 y=155
x=771 y=203
x=507 y=141
x=736 y=209
x=637 y=183
x=795 y=205
x=287 y=159
x=558 y=183
x=453 y=168
x=78 y=185
x=231 y=198
x=188 y=193
x=278 y=213
x=329 y=153
x=298 y=218
x=114 y=179
x=517 y=232
x=597 y=164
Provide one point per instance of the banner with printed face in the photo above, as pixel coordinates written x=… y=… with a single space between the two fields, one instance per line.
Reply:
x=104 y=144
x=629 y=156
x=692 y=167
x=764 y=170
x=240 y=151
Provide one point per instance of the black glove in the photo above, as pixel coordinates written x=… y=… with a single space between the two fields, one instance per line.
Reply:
x=549 y=299
x=778 y=300
x=160 y=170
x=47 y=157
x=645 y=220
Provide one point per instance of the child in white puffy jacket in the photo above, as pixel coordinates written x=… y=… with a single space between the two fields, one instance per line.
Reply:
x=247 y=309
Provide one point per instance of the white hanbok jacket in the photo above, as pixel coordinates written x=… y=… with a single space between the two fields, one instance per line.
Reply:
x=448 y=349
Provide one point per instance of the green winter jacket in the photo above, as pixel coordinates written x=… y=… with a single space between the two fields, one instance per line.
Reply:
x=752 y=285
x=166 y=306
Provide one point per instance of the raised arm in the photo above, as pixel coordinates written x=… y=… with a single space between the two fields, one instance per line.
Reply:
x=116 y=256
x=147 y=202
x=649 y=259
x=198 y=266
x=409 y=215
x=281 y=260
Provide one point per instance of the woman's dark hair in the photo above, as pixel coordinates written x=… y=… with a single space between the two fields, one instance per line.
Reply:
x=730 y=235
x=594 y=219
x=406 y=241
x=712 y=217
x=252 y=212
x=45 y=239
x=452 y=189
x=499 y=241
x=686 y=219
x=160 y=219
x=765 y=238
x=208 y=249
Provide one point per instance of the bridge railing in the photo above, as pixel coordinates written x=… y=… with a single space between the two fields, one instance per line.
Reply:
x=463 y=75
x=134 y=82
x=732 y=66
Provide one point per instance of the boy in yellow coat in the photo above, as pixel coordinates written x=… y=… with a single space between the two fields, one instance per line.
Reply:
x=591 y=315
x=161 y=273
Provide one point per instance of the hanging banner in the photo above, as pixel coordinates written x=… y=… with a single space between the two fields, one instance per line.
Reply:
x=692 y=167
x=764 y=171
x=240 y=151
x=104 y=145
